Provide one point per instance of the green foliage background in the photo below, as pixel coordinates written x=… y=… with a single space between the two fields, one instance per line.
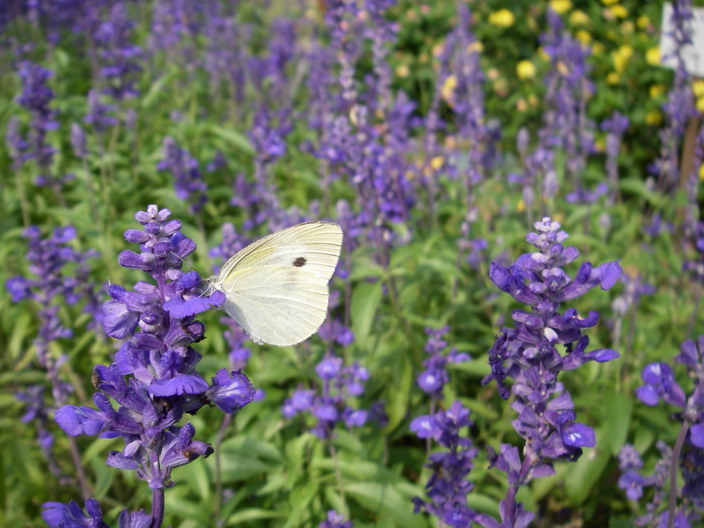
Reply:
x=273 y=472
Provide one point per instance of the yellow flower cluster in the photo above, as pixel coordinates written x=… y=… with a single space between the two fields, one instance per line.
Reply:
x=621 y=57
x=698 y=90
x=560 y=6
x=525 y=70
x=502 y=18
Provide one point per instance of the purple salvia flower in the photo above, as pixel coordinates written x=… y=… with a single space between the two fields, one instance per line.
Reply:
x=188 y=180
x=614 y=127
x=330 y=407
x=99 y=113
x=679 y=107
x=48 y=258
x=565 y=122
x=688 y=452
x=152 y=381
x=119 y=56
x=36 y=98
x=529 y=354
x=448 y=486
x=433 y=379
x=58 y=515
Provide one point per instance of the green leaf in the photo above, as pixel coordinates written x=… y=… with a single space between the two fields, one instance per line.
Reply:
x=385 y=499
x=366 y=298
x=238 y=140
x=584 y=474
x=619 y=420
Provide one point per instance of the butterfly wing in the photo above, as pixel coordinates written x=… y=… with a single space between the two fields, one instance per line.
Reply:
x=277 y=287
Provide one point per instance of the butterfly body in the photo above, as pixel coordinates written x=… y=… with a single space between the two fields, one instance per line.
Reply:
x=277 y=287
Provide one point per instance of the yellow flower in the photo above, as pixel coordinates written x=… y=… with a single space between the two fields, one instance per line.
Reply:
x=608 y=2
x=652 y=56
x=521 y=206
x=525 y=69
x=437 y=162
x=701 y=172
x=627 y=27
x=621 y=57
x=599 y=145
x=579 y=18
x=653 y=117
x=562 y=69
x=698 y=88
x=448 y=88
x=618 y=11
x=598 y=48
x=560 y=6
x=700 y=104
x=502 y=18
x=656 y=90
x=402 y=70
x=613 y=78
x=643 y=22
x=584 y=37
x=543 y=54
x=475 y=47
x=533 y=100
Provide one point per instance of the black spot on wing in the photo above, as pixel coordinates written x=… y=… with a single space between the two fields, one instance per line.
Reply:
x=300 y=262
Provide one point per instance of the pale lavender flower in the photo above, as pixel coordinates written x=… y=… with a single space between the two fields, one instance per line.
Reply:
x=335 y=520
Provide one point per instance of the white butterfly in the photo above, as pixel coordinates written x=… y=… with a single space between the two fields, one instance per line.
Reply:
x=277 y=287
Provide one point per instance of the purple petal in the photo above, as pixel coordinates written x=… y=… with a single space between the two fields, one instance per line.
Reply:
x=610 y=273
x=118 y=321
x=697 y=435
x=578 y=435
x=230 y=391
x=181 y=308
x=79 y=420
x=424 y=427
x=180 y=384
x=602 y=355
x=138 y=519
